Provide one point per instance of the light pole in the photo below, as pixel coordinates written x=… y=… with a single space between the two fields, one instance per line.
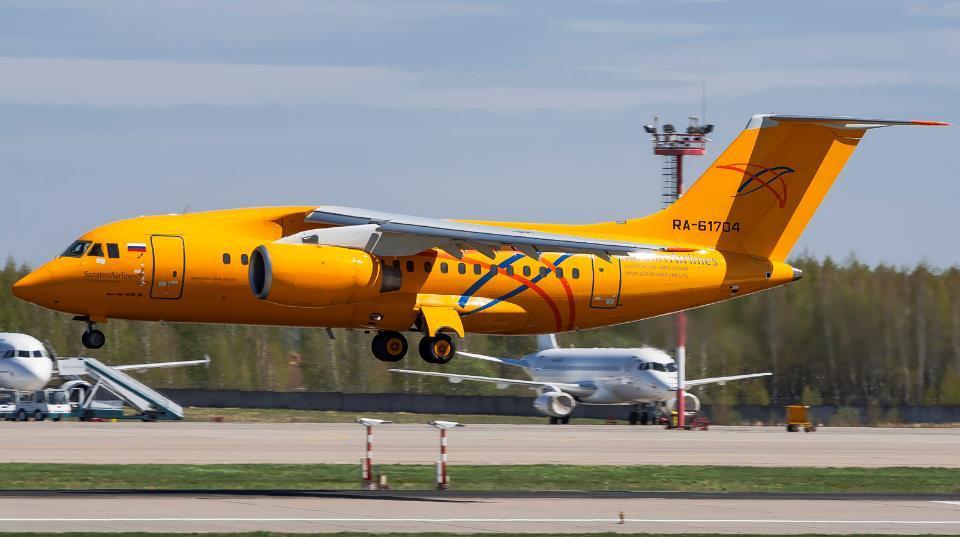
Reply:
x=367 y=461
x=442 y=481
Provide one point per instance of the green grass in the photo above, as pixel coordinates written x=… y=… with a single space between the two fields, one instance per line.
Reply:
x=280 y=415
x=435 y=534
x=482 y=477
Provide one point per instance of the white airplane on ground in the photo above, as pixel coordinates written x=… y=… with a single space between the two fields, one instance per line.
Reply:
x=643 y=377
x=26 y=365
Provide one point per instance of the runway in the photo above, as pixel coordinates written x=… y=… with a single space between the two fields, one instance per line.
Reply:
x=132 y=512
x=181 y=442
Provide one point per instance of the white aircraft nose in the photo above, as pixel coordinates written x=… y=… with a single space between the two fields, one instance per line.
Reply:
x=28 y=374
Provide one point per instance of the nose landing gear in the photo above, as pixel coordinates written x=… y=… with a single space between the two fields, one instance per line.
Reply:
x=93 y=338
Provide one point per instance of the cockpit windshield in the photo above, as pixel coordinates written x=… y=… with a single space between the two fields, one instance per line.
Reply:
x=670 y=367
x=76 y=249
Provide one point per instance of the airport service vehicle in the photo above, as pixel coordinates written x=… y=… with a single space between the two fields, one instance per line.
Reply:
x=329 y=266
x=53 y=403
x=26 y=366
x=643 y=377
x=8 y=404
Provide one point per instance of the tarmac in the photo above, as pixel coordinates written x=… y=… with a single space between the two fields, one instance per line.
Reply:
x=197 y=443
x=56 y=512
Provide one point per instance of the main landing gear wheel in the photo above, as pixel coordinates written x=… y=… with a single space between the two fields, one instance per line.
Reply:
x=389 y=346
x=437 y=350
x=93 y=338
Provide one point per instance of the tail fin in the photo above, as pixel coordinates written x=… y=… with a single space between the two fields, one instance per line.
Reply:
x=761 y=192
x=546 y=341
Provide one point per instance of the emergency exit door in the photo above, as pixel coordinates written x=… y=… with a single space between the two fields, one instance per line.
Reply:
x=606 y=283
x=169 y=264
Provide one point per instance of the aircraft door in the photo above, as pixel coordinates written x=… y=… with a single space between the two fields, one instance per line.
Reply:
x=169 y=264
x=606 y=283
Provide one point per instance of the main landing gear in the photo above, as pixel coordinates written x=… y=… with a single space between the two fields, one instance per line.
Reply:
x=389 y=346
x=438 y=349
x=93 y=338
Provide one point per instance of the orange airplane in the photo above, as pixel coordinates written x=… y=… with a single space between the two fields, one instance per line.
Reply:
x=728 y=236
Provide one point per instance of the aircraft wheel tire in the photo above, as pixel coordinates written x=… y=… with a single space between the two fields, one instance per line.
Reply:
x=437 y=350
x=554 y=420
x=389 y=346
x=93 y=339
x=565 y=420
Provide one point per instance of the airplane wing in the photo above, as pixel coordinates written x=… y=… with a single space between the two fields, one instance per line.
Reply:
x=723 y=380
x=577 y=389
x=390 y=234
x=157 y=365
x=508 y=361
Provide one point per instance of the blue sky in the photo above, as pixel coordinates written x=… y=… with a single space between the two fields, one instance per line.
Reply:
x=508 y=110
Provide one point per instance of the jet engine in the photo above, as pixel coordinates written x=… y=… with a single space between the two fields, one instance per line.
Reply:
x=315 y=276
x=692 y=403
x=555 y=404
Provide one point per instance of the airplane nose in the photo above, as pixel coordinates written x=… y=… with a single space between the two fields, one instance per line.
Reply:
x=34 y=287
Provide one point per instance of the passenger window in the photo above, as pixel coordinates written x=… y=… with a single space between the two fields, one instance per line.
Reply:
x=409 y=266
x=559 y=272
x=494 y=269
x=461 y=268
x=96 y=250
x=444 y=268
x=427 y=267
x=477 y=269
x=544 y=272
x=244 y=259
x=226 y=259
x=575 y=273
x=526 y=270
x=396 y=264
x=113 y=251
x=509 y=270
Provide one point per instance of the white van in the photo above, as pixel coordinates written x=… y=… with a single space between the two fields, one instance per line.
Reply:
x=51 y=403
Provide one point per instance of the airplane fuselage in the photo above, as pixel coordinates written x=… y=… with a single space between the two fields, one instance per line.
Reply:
x=615 y=376
x=195 y=268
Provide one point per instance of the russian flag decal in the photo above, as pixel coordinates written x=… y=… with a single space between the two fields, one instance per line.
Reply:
x=136 y=247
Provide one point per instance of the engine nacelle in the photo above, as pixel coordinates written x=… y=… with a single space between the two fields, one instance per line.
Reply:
x=316 y=276
x=691 y=403
x=555 y=404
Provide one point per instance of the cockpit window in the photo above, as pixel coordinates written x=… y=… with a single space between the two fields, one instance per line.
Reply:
x=76 y=249
x=38 y=354
x=658 y=367
x=9 y=353
x=96 y=250
x=23 y=354
x=644 y=366
x=671 y=367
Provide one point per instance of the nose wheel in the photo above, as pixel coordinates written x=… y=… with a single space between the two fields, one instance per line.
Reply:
x=93 y=338
x=389 y=346
x=438 y=349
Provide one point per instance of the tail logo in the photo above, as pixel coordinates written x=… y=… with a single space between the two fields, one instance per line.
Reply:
x=757 y=177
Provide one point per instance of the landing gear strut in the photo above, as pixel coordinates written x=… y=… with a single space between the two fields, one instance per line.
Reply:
x=389 y=346
x=93 y=338
x=438 y=349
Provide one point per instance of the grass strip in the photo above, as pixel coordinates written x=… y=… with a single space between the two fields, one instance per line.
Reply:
x=437 y=534
x=482 y=477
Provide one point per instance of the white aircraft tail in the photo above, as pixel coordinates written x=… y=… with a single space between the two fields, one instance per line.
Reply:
x=547 y=341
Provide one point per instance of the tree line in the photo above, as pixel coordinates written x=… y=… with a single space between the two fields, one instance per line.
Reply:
x=846 y=334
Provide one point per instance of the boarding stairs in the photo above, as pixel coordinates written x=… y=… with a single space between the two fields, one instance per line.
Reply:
x=150 y=404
